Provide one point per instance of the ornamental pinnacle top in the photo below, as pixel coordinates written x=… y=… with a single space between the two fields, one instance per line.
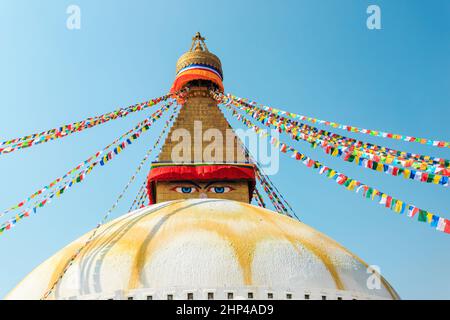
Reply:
x=198 y=64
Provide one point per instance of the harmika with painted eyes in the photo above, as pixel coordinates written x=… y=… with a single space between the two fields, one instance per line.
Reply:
x=201 y=190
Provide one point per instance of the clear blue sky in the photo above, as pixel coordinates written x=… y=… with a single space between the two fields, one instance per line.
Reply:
x=312 y=57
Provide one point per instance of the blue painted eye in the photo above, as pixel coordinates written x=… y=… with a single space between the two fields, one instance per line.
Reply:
x=186 y=189
x=219 y=189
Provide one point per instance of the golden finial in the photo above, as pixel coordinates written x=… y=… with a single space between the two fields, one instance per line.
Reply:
x=199 y=54
x=199 y=42
x=198 y=36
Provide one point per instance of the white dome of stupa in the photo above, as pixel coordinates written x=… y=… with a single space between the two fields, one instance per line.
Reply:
x=200 y=249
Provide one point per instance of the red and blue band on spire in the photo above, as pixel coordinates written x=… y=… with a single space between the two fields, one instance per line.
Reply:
x=197 y=72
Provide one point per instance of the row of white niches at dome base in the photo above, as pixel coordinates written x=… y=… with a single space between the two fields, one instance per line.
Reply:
x=225 y=295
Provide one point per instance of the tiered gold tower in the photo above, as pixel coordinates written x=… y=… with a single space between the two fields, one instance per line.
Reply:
x=201 y=140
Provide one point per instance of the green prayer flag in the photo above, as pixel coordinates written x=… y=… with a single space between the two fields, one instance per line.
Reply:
x=347 y=182
x=393 y=203
x=422 y=216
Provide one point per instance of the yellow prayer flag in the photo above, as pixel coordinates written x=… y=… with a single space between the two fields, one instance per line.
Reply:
x=398 y=206
x=374 y=193
x=351 y=186
x=436 y=179
x=406 y=173
x=335 y=152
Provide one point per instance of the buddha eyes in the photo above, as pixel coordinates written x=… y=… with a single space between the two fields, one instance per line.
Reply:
x=188 y=189
x=220 y=189
x=185 y=189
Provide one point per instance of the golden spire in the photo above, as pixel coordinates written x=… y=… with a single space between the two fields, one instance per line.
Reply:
x=199 y=42
x=199 y=54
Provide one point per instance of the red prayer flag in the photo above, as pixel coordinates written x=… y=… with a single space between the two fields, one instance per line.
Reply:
x=447 y=226
x=424 y=177
x=395 y=171
x=388 y=201
x=342 y=179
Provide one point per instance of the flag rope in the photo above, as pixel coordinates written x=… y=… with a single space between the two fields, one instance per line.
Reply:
x=376 y=133
x=262 y=177
x=271 y=194
x=69 y=173
x=280 y=194
x=349 y=155
x=142 y=200
x=143 y=126
x=108 y=213
x=421 y=162
x=396 y=205
x=417 y=161
x=259 y=198
x=138 y=197
x=27 y=141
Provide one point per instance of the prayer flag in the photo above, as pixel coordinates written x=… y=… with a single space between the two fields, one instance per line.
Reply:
x=422 y=216
x=412 y=211
x=383 y=199
x=447 y=226
x=434 y=221
x=388 y=201
x=441 y=224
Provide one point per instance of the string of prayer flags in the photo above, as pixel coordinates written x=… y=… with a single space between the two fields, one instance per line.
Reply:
x=259 y=198
x=368 y=150
x=142 y=200
x=294 y=126
x=108 y=213
x=363 y=149
x=139 y=196
x=275 y=196
x=272 y=186
x=127 y=140
x=396 y=205
x=376 y=133
x=144 y=125
x=27 y=141
x=353 y=156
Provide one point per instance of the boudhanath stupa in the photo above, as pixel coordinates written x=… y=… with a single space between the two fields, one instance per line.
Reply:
x=199 y=237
